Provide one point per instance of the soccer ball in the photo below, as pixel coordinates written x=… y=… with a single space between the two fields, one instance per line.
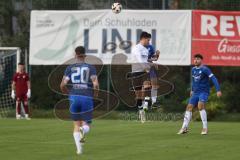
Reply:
x=116 y=8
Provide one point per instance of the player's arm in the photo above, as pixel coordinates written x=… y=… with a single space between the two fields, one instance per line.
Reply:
x=95 y=85
x=28 y=84
x=65 y=80
x=214 y=80
x=192 y=81
x=29 y=87
x=14 y=82
x=63 y=85
x=191 y=92
x=13 y=87
x=216 y=84
x=154 y=57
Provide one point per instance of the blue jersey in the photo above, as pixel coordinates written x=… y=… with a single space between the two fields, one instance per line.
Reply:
x=200 y=79
x=79 y=76
x=151 y=51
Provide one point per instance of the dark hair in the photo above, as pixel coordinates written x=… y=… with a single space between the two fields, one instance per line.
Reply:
x=80 y=50
x=145 y=35
x=198 y=56
x=21 y=63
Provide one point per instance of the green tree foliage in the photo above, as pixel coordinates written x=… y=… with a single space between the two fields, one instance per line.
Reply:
x=226 y=5
x=176 y=100
x=42 y=97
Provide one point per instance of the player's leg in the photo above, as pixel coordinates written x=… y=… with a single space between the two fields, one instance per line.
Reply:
x=203 y=114
x=187 y=117
x=137 y=85
x=84 y=129
x=154 y=84
x=18 y=108
x=137 y=79
x=188 y=114
x=147 y=94
x=140 y=97
x=74 y=110
x=139 y=104
x=146 y=85
x=77 y=136
x=86 y=115
x=25 y=105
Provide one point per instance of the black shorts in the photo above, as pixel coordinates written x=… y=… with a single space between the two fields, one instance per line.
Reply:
x=137 y=79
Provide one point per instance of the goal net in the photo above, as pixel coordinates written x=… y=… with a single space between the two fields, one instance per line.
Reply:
x=9 y=57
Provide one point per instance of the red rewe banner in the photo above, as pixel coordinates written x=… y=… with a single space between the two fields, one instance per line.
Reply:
x=216 y=35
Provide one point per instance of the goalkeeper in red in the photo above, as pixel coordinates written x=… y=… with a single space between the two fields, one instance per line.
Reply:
x=21 y=91
x=199 y=93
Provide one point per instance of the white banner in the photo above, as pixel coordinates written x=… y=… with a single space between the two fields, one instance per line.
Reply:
x=55 y=34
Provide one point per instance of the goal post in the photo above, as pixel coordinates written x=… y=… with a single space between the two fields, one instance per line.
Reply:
x=17 y=49
x=9 y=58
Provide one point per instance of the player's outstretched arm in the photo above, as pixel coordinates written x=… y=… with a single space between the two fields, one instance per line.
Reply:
x=63 y=85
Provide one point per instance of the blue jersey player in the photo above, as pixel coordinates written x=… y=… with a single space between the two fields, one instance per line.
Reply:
x=153 y=56
x=81 y=84
x=199 y=93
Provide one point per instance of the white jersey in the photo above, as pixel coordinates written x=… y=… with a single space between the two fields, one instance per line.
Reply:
x=140 y=58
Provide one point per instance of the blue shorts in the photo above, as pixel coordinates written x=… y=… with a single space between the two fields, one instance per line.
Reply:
x=196 y=97
x=153 y=72
x=81 y=108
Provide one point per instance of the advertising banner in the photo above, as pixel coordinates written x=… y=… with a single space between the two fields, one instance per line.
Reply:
x=55 y=34
x=216 y=35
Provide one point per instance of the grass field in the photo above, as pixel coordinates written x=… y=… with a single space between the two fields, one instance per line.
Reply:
x=41 y=139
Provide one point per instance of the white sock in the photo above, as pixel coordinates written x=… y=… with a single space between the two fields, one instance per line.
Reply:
x=154 y=95
x=85 y=128
x=187 y=119
x=77 y=138
x=203 y=115
x=26 y=115
x=142 y=115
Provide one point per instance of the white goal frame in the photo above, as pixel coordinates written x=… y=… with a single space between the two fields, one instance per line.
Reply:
x=13 y=49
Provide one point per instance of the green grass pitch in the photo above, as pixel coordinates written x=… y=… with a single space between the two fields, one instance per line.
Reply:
x=45 y=139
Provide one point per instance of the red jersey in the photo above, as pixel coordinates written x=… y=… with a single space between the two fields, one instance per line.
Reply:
x=21 y=80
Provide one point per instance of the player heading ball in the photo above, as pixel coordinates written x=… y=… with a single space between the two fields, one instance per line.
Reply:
x=140 y=70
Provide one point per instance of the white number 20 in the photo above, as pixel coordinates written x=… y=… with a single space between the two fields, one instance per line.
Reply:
x=83 y=72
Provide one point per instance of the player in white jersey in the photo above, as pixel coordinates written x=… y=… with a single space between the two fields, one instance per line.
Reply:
x=140 y=70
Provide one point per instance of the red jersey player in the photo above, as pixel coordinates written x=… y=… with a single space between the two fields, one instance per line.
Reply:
x=21 y=90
